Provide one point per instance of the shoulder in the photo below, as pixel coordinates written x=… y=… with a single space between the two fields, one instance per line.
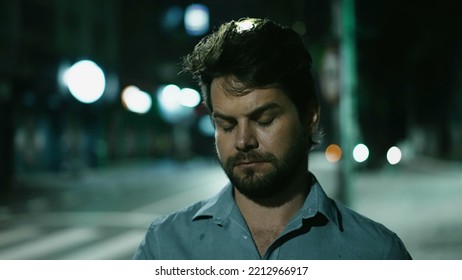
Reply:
x=165 y=233
x=355 y=221
x=371 y=234
x=180 y=217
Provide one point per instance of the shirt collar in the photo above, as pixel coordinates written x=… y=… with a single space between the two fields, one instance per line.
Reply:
x=316 y=202
x=220 y=206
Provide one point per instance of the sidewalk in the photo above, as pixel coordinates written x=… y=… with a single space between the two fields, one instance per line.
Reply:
x=421 y=201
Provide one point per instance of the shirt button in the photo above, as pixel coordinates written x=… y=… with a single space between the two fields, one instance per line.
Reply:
x=244 y=236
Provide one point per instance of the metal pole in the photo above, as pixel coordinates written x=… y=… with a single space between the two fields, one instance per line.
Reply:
x=348 y=76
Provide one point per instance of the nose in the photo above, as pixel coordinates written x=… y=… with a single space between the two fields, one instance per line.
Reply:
x=246 y=139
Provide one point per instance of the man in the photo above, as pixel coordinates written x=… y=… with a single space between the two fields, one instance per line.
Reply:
x=256 y=82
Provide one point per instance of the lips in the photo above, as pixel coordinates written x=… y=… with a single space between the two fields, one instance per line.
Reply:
x=252 y=159
x=248 y=163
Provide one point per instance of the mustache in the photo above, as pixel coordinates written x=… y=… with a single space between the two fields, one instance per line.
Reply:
x=252 y=156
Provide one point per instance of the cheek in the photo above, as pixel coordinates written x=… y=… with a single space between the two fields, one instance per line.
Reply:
x=280 y=135
x=282 y=139
x=220 y=146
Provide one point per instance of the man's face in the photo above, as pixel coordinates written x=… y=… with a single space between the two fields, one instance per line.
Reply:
x=260 y=139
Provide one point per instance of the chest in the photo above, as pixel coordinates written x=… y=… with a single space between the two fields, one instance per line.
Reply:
x=264 y=237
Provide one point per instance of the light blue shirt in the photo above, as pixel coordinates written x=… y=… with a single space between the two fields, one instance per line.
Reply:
x=214 y=229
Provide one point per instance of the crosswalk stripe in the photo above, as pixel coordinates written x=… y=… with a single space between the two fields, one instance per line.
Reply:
x=17 y=234
x=120 y=246
x=52 y=243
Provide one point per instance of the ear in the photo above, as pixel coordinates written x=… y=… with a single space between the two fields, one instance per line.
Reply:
x=312 y=121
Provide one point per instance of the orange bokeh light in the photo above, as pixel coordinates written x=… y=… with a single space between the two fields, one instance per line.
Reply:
x=333 y=153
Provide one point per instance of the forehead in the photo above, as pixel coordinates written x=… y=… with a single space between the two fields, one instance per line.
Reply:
x=231 y=97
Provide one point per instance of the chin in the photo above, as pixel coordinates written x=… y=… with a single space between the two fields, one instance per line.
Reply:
x=258 y=186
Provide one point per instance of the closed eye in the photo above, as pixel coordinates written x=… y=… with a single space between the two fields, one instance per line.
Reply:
x=265 y=121
x=225 y=125
x=226 y=128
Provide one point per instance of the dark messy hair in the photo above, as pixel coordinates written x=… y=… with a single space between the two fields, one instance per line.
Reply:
x=256 y=53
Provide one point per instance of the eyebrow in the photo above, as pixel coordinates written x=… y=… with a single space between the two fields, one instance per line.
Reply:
x=253 y=114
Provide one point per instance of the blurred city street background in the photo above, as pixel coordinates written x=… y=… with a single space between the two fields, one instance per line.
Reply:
x=101 y=132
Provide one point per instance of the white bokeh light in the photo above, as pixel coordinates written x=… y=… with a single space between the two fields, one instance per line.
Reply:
x=196 y=19
x=190 y=97
x=86 y=81
x=360 y=153
x=136 y=100
x=169 y=97
x=176 y=104
x=394 y=155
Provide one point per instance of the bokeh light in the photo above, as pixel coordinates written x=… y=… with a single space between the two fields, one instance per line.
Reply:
x=176 y=104
x=86 y=81
x=136 y=100
x=196 y=19
x=394 y=155
x=360 y=153
x=333 y=153
x=189 y=97
x=206 y=126
x=172 y=18
x=169 y=96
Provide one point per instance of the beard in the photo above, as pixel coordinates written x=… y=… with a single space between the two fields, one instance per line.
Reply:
x=273 y=180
